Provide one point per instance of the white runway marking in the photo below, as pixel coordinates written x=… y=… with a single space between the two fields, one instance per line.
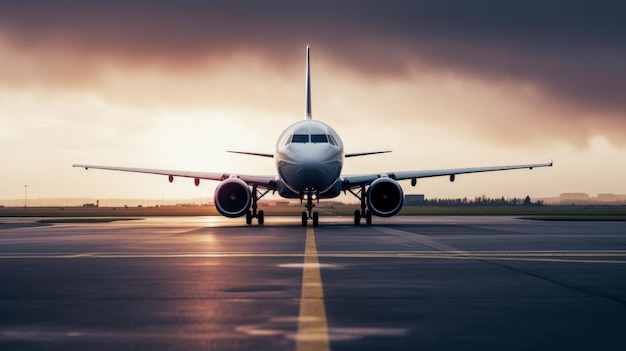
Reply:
x=583 y=256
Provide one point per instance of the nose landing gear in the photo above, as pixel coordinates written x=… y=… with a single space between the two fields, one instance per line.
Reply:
x=309 y=196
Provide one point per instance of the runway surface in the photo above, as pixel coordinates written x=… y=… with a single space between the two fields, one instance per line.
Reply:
x=404 y=283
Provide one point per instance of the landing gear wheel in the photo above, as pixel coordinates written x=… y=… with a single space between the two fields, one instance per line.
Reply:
x=368 y=217
x=304 y=219
x=357 y=217
x=316 y=219
x=261 y=217
x=249 y=218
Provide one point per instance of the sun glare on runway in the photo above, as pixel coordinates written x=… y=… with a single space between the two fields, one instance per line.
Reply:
x=209 y=238
x=212 y=221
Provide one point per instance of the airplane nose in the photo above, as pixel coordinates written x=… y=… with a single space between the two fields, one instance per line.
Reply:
x=309 y=167
x=310 y=156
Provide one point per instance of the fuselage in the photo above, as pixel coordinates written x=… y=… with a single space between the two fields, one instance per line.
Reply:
x=309 y=158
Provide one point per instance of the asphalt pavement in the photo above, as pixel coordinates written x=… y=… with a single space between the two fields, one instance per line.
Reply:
x=404 y=283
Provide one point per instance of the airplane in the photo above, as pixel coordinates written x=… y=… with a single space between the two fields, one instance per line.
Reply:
x=309 y=157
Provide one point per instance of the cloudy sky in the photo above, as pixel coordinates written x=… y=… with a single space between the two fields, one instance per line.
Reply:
x=173 y=84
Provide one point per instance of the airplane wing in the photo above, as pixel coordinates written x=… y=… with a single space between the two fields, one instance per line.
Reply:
x=268 y=182
x=353 y=181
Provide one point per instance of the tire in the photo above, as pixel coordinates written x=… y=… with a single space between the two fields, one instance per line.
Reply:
x=316 y=219
x=261 y=217
x=249 y=218
x=368 y=217
x=304 y=219
x=357 y=217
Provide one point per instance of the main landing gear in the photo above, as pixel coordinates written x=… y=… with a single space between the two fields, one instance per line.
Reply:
x=309 y=196
x=260 y=215
x=363 y=213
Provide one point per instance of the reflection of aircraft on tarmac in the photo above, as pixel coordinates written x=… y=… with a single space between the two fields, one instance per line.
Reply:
x=309 y=157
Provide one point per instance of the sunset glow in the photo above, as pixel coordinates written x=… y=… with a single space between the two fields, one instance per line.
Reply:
x=175 y=84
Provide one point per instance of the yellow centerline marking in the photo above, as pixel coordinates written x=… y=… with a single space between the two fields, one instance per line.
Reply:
x=312 y=324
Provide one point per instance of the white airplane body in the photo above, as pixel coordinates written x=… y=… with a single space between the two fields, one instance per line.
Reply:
x=309 y=158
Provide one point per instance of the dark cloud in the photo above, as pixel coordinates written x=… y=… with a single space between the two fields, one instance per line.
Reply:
x=572 y=50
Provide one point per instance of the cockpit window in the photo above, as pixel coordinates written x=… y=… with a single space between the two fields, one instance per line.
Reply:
x=313 y=138
x=332 y=140
x=319 y=138
x=300 y=138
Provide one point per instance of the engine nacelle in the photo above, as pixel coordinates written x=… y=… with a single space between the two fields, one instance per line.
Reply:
x=385 y=197
x=232 y=198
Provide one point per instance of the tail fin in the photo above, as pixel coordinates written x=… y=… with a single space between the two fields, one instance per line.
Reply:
x=307 y=111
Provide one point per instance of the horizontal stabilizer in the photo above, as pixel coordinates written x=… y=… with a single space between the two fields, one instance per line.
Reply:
x=366 y=153
x=251 y=153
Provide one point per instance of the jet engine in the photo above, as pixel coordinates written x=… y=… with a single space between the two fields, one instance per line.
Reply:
x=385 y=197
x=232 y=198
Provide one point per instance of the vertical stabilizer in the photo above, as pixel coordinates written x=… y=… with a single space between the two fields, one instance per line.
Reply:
x=307 y=110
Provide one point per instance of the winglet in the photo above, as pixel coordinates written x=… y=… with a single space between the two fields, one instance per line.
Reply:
x=307 y=111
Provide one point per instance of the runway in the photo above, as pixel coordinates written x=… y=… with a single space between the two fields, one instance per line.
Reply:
x=404 y=283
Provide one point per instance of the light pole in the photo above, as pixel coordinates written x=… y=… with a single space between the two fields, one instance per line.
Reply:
x=25 y=195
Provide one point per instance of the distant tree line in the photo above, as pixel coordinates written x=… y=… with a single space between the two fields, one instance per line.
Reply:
x=483 y=201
